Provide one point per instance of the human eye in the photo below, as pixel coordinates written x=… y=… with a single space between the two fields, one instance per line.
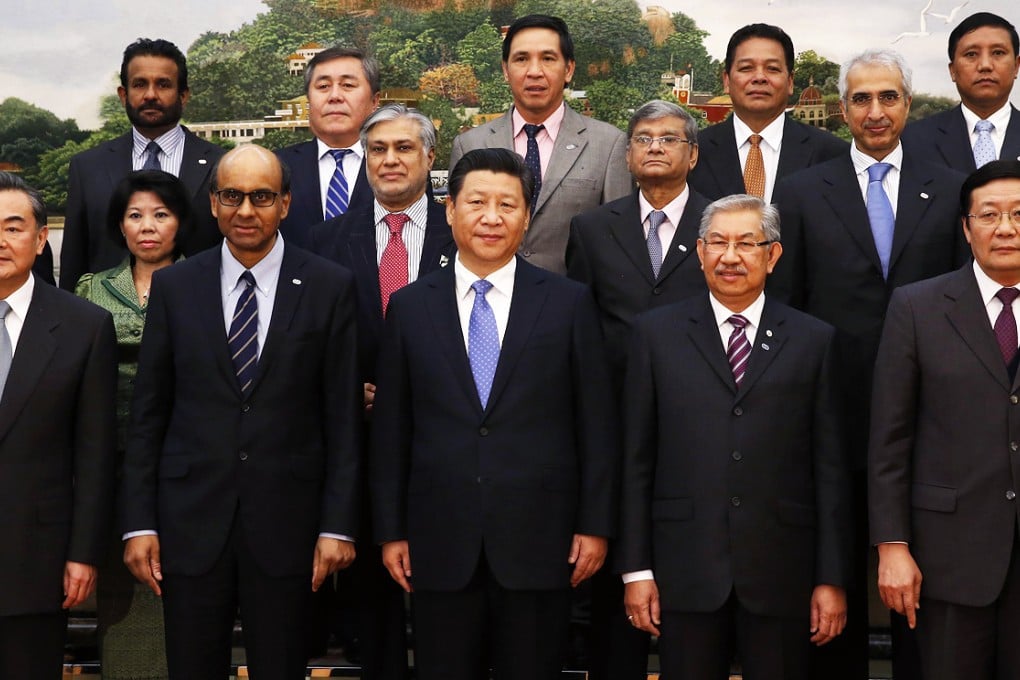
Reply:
x=670 y=140
x=262 y=197
x=232 y=196
x=133 y=215
x=860 y=99
x=162 y=215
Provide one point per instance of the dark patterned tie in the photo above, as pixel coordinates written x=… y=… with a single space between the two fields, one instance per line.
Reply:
x=533 y=160
x=738 y=349
x=393 y=264
x=1005 y=324
x=337 y=195
x=6 y=350
x=483 y=341
x=655 y=219
x=243 y=335
x=152 y=157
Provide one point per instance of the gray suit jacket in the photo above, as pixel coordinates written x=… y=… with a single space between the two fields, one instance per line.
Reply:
x=588 y=168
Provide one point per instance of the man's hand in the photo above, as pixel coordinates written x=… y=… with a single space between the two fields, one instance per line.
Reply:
x=331 y=555
x=899 y=580
x=141 y=555
x=369 y=397
x=396 y=557
x=79 y=582
x=828 y=613
x=641 y=600
x=587 y=553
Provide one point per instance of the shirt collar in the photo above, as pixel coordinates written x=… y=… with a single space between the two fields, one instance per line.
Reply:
x=502 y=279
x=862 y=161
x=1000 y=119
x=752 y=313
x=417 y=212
x=986 y=286
x=266 y=271
x=20 y=299
x=354 y=148
x=552 y=123
x=771 y=135
x=168 y=141
x=674 y=209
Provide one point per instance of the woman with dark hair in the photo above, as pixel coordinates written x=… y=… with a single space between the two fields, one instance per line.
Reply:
x=150 y=213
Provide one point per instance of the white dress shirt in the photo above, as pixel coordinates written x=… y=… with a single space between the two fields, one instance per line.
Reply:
x=1000 y=121
x=674 y=211
x=498 y=297
x=171 y=150
x=327 y=166
x=891 y=181
x=771 y=143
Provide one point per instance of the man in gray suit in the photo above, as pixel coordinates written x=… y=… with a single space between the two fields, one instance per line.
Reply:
x=943 y=466
x=581 y=163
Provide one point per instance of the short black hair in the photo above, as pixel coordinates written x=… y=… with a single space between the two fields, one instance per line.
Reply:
x=766 y=31
x=169 y=189
x=144 y=47
x=980 y=20
x=369 y=66
x=11 y=182
x=540 y=21
x=986 y=174
x=501 y=161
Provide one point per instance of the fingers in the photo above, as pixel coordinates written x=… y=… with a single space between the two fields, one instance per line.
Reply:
x=331 y=555
x=141 y=556
x=575 y=550
x=369 y=396
x=641 y=602
x=79 y=582
x=397 y=559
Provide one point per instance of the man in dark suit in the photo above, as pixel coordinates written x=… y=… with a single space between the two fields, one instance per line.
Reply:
x=495 y=446
x=943 y=465
x=399 y=145
x=578 y=163
x=759 y=79
x=984 y=58
x=57 y=442
x=154 y=90
x=735 y=525
x=854 y=229
x=328 y=172
x=243 y=448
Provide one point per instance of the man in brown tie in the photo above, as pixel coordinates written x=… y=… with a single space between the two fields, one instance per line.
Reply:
x=749 y=151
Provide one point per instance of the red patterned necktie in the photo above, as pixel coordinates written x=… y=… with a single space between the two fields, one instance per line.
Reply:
x=1005 y=324
x=393 y=265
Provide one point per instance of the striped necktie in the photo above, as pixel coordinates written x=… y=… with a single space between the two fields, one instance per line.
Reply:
x=243 y=335
x=337 y=195
x=738 y=349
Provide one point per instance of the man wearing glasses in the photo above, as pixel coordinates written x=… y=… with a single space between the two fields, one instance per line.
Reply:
x=943 y=461
x=241 y=477
x=854 y=229
x=735 y=525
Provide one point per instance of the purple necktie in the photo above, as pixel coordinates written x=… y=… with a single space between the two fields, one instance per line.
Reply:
x=1005 y=324
x=738 y=349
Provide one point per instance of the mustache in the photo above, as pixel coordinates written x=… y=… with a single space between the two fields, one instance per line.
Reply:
x=885 y=122
x=722 y=271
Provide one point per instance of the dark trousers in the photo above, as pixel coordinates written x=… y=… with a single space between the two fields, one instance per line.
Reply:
x=460 y=635
x=700 y=646
x=32 y=646
x=958 y=642
x=617 y=650
x=199 y=613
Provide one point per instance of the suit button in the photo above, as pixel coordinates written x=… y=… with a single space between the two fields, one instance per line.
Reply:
x=1010 y=495
x=735 y=501
x=656 y=291
x=1013 y=446
x=243 y=455
x=1013 y=399
x=484 y=431
x=136 y=332
x=738 y=411
x=527 y=253
x=245 y=408
x=736 y=455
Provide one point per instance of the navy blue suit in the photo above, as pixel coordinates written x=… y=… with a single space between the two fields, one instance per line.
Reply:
x=944 y=139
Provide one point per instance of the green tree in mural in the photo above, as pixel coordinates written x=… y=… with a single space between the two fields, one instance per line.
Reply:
x=810 y=67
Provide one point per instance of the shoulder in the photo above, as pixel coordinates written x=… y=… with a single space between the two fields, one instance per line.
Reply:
x=294 y=150
x=191 y=139
x=607 y=211
x=918 y=166
x=100 y=153
x=717 y=131
x=800 y=321
x=598 y=128
x=318 y=269
x=932 y=122
x=68 y=306
x=813 y=175
x=471 y=138
x=674 y=316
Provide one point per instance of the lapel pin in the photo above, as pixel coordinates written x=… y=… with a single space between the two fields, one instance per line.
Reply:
x=201 y=161
x=683 y=248
x=924 y=195
x=296 y=282
x=571 y=147
x=443 y=260
x=768 y=332
x=764 y=347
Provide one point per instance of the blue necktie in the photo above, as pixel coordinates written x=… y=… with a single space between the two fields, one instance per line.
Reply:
x=6 y=351
x=655 y=219
x=533 y=160
x=984 y=147
x=880 y=214
x=337 y=196
x=152 y=159
x=483 y=341
x=243 y=335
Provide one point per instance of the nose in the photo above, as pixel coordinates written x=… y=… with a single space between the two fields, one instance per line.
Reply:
x=390 y=156
x=730 y=254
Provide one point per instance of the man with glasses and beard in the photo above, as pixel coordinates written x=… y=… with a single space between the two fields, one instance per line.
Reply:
x=154 y=90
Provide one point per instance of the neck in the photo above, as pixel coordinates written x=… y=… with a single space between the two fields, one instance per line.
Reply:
x=539 y=117
x=152 y=134
x=757 y=123
x=660 y=195
x=396 y=206
x=983 y=111
x=338 y=142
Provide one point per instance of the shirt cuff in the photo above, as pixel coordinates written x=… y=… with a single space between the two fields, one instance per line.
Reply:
x=339 y=537
x=134 y=534
x=643 y=575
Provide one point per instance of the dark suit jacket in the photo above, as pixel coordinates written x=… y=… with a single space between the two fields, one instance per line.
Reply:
x=830 y=267
x=57 y=449
x=607 y=251
x=306 y=196
x=719 y=173
x=941 y=473
x=349 y=240
x=943 y=139
x=93 y=176
x=516 y=480
x=285 y=458
x=727 y=488
x=588 y=168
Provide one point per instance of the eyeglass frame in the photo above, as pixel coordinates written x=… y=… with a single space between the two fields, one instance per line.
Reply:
x=887 y=99
x=748 y=246
x=637 y=141
x=246 y=195
x=1012 y=213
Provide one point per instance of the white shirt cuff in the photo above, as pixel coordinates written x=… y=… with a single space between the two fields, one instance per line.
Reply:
x=644 y=575
x=144 y=532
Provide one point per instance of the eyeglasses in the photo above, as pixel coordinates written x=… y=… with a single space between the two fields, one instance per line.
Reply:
x=993 y=218
x=862 y=100
x=742 y=247
x=667 y=141
x=260 y=198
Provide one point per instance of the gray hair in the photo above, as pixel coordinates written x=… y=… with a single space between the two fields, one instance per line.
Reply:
x=369 y=66
x=877 y=57
x=426 y=130
x=658 y=109
x=11 y=182
x=739 y=203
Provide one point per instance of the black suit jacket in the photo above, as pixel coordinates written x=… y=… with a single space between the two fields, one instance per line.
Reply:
x=607 y=251
x=830 y=267
x=942 y=472
x=349 y=240
x=515 y=480
x=285 y=458
x=733 y=489
x=719 y=173
x=95 y=173
x=306 y=196
x=943 y=139
x=57 y=449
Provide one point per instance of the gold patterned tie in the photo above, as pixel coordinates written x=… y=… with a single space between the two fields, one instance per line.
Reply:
x=754 y=169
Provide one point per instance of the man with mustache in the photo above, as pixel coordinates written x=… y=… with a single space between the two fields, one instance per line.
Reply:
x=154 y=91
x=984 y=58
x=854 y=229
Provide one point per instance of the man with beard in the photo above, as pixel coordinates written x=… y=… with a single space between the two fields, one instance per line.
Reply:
x=154 y=90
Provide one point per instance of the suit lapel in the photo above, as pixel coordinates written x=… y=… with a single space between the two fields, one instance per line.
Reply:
x=306 y=170
x=289 y=289
x=847 y=204
x=437 y=249
x=916 y=195
x=195 y=164
x=966 y=314
x=120 y=163
x=704 y=333
x=208 y=301
x=796 y=150
x=501 y=133
x=952 y=141
x=628 y=232
x=35 y=348
x=685 y=240
x=768 y=341
x=721 y=157
x=442 y=310
x=569 y=146
x=363 y=258
x=1011 y=144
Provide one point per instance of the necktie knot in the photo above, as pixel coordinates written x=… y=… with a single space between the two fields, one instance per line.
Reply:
x=1005 y=295
x=738 y=321
x=247 y=278
x=152 y=150
x=878 y=171
x=754 y=140
x=984 y=126
x=481 y=287
x=531 y=130
x=395 y=222
x=5 y=309
x=655 y=219
x=338 y=155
